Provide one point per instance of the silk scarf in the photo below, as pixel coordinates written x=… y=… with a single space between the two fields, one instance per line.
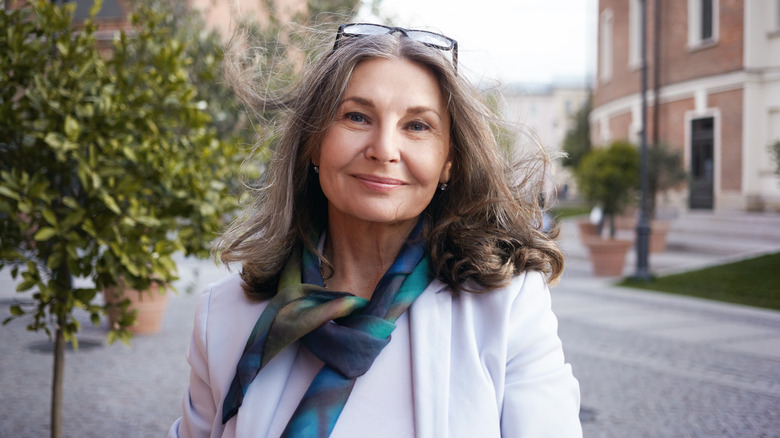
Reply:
x=345 y=331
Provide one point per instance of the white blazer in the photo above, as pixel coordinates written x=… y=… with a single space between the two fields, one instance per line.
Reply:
x=483 y=365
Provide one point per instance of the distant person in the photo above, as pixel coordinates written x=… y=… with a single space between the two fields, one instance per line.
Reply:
x=387 y=208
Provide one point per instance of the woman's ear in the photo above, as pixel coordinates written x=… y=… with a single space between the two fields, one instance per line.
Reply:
x=315 y=157
x=445 y=171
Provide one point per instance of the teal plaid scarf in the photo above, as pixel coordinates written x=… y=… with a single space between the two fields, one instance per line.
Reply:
x=301 y=311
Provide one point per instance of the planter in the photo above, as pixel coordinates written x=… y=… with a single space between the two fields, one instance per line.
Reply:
x=588 y=231
x=149 y=307
x=626 y=221
x=607 y=256
x=658 y=232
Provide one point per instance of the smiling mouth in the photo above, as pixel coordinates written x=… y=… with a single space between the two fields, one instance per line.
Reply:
x=378 y=183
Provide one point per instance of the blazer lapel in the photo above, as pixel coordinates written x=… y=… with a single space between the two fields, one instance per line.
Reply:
x=429 y=321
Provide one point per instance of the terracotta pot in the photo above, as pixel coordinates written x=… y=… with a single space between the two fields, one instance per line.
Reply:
x=608 y=256
x=149 y=306
x=587 y=230
x=625 y=222
x=658 y=232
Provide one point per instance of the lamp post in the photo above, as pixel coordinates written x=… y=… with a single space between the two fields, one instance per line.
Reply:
x=643 y=225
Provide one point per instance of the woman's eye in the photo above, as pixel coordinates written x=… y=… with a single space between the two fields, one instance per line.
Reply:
x=355 y=117
x=418 y=126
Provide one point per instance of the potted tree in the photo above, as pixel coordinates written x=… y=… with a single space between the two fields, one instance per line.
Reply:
x=666 y=172
x=108 y=167
x=608 y=177
x=577 y=145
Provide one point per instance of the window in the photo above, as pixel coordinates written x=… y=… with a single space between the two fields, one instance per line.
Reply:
x=635 y=34
x=605 y=46
x=706 y=20
x=702 y=23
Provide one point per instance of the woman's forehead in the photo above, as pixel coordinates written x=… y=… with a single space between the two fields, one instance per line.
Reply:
x=383 y=79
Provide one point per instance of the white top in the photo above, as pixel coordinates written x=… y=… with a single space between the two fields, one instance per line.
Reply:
x=482 y=365
x=380 y=404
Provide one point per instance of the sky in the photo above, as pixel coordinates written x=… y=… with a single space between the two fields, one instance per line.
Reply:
x=507 y=41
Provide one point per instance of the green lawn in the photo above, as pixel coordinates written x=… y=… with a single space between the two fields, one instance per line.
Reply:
x=561 y=212
x=753 y=282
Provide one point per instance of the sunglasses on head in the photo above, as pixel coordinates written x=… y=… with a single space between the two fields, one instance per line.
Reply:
x=430 y=39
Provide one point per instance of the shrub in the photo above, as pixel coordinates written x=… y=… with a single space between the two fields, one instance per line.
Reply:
x=608 y=177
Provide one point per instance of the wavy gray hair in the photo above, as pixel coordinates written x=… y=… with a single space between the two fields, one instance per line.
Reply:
x=479 y=232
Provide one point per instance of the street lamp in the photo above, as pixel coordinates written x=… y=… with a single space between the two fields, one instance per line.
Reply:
x=643 y=225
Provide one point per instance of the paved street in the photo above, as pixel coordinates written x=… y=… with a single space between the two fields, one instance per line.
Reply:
x=659 y=365
x=650 y=364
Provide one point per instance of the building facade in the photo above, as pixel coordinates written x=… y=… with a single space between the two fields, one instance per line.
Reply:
x=548 y=111
x=713 y=76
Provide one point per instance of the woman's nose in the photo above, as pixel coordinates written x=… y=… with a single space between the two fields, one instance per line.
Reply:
x=384 y=145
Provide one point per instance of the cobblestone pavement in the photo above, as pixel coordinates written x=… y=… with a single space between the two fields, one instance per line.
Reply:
x=653 y=366
x=649 y=364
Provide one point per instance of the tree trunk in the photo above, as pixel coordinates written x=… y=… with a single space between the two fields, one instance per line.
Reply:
x=56 y=386
x=64 y=283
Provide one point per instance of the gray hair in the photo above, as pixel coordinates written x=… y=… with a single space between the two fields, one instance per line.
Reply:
x=482 y=230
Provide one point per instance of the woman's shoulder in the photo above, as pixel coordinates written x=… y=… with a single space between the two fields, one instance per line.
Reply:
x=229 y=287
x=525 y=284
x=225 y=301
x=524 y=291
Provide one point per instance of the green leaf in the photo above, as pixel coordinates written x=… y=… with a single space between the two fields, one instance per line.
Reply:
x=62 y=48
x=112 y=337
x=71 y=202
x=50 y=217
x=44 y=234
x=25 y=285
x=16 y=310
x=8 y=193
x=55 y=139
x=85 y=295
x=72 y=128
x=110 y=202
x=54 y=261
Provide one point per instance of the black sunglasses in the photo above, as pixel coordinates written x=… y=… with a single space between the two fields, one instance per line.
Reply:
x=430 y=39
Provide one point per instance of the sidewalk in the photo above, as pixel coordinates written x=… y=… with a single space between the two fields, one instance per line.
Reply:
x=649 y=364
x=660 y=365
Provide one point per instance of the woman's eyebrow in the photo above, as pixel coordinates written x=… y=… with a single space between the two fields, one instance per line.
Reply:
x=422 y=109
x=417 y=109
x=359 y=100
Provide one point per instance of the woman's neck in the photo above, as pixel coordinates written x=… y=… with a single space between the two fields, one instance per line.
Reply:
x=362 y=252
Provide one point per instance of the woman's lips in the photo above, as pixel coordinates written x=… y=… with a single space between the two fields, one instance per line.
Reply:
x=379 y=183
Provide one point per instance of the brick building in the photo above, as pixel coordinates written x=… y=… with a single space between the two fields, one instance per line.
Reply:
x=713 y=92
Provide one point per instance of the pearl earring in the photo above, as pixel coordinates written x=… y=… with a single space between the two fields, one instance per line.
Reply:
x=316 y=168
x=443 y=186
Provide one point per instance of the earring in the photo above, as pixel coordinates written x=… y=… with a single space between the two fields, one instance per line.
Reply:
x=443 y=186
x=316 y=168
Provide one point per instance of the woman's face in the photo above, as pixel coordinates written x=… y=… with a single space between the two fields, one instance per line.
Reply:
x=382 y=158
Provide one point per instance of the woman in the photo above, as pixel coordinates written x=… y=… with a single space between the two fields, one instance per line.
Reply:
x=387 y=208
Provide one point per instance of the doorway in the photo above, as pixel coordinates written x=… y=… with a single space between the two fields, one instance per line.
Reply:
x=702 y=164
